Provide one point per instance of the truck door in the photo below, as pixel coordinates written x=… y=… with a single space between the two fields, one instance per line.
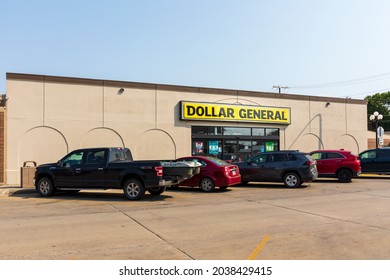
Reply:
x=67 y=173
x=93 y=171
x=82 y=169
x=383 y=160
x=368 y=161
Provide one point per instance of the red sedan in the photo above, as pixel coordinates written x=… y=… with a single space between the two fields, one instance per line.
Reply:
x=213 y=173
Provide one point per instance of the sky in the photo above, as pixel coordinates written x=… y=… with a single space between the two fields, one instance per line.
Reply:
x=333 y=48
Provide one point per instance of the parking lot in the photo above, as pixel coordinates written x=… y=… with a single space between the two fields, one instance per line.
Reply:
x=323 y=220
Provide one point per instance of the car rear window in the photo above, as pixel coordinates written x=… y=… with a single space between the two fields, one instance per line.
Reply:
x=217 y=161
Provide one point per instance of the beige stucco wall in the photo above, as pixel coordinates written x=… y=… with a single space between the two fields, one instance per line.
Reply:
x=51 y=116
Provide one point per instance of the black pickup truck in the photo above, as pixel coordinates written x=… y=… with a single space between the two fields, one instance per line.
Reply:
x=106 y=168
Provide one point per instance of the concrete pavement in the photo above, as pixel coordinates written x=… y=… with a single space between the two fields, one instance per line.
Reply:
x=321 y=220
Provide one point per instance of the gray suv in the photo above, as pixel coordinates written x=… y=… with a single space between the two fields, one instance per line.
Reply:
x=290 y=167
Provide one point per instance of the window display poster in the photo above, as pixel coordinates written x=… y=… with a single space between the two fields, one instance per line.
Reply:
x=269 y=146
x=199 y=147
x=213 y=147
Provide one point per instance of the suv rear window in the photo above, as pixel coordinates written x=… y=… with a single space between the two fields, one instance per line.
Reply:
x=292 y=157
x=277 y=157
x=334 y=155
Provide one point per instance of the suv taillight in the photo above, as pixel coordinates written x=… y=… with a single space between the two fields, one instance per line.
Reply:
x=159 y=170
x=309 y=162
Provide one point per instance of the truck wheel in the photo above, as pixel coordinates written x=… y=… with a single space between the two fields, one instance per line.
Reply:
x=207 y=185
x=156 y=190
x=344 y=176
x=133 y=189
x=291 y=180
x=45 y=187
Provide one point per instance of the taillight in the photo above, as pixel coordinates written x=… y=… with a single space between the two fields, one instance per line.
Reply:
x=159 y=170
x=309 y=162
x=231 y=171
x=226 y=171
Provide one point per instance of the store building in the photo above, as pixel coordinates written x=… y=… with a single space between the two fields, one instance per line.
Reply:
x=3 y=131
x=49 y=116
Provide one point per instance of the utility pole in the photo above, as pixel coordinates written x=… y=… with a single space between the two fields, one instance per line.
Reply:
x=280 y=87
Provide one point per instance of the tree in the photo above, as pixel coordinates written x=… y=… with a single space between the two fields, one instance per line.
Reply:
x=379 y=102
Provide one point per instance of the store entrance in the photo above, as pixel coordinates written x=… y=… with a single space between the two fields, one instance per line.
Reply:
x=233 y=144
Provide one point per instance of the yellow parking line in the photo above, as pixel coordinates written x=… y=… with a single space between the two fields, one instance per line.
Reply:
x=258 y=248
x=374 y=175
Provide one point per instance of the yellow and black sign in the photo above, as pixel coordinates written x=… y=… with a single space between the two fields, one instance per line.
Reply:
x=230 y=112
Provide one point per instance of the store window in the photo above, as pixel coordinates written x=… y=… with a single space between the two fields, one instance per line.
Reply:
x=233 y=143
x=207 y=130
x=271 y=132
x=237 y=131
x=258 y=131
x=211 y=147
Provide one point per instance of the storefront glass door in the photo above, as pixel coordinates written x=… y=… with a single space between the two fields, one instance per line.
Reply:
x=230 y=149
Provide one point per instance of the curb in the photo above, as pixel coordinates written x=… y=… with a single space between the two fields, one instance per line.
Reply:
x=6 y=192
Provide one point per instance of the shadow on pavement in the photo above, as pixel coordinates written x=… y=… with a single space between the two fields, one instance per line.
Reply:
x=98 y=195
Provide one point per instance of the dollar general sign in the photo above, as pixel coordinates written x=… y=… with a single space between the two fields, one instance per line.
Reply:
x=229 y=112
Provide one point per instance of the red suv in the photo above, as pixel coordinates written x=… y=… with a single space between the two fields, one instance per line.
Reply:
x=337 y=163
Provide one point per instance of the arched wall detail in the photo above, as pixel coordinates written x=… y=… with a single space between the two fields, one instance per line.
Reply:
x=42 y=144
x=239 y=101
x=155 y=144
x=348 y=142
x=307 y=142
x=296 y=143
x=102 y=137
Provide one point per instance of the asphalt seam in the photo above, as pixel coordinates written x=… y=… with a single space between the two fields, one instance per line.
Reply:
x=151 y=231
x=312 y=214
x=322 y=216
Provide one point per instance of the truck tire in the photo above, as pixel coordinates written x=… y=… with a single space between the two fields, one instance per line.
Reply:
x=133 y=189
x=156 y=190
x=45 y=187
